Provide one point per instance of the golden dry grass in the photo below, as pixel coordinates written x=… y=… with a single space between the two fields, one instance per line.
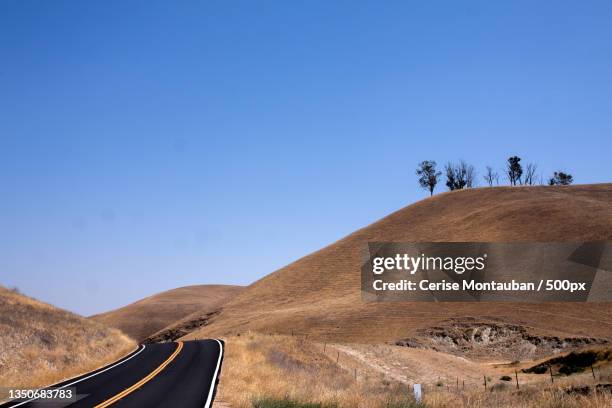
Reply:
x=41 y=344
x=257 y=366
x=154 y=313
x=319 y=294
x=282 y=367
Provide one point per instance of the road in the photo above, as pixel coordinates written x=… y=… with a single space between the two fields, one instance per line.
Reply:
x=177 y=375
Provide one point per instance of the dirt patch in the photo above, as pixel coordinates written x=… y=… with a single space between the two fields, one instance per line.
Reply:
x=485 y=339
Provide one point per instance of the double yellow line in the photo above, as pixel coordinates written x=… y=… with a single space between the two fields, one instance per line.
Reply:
x=142 y=382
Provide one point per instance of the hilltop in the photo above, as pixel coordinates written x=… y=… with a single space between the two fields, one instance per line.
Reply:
x=319 y=294
x=147 y=316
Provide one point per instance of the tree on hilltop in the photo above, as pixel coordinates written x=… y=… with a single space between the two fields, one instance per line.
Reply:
x=561 y=179
x=530 y=176
x=514 y=170
x=428 y=176
x=491 y=176
x=460 y=176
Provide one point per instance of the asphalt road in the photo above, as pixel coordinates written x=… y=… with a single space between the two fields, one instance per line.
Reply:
x=174 y=375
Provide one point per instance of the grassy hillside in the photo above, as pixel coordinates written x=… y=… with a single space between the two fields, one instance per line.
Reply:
x=149 y=315
x=41 y=344
x=278 y=371
x=319 y=294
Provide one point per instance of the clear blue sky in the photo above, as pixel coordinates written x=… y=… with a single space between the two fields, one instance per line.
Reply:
x=147 y=145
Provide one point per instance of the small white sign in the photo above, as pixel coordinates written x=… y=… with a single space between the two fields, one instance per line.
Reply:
x=417 y=392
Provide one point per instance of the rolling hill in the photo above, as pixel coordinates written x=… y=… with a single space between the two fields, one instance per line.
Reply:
x=149 y=315
x=41 y=344
x=319 y=294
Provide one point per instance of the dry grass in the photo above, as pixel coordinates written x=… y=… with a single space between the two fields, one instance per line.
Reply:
x=281 y=367
x=284 y=368
x=319 y=294
x=41 y=345
x=149 y=315
x=546 y=397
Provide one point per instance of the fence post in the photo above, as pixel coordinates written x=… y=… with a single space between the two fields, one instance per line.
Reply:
x=337 y=357
x=516 y=375
x=324 y=347
x=593 y=371
x=485 y=382
x=552 y=380
x=355 y=373
x=463 y=386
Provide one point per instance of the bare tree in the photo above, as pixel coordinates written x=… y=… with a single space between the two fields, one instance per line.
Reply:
x=514 y=170
x=470 y=175
x=459 y=176
x=530 y=176
x=491 y=176
x=428 y=176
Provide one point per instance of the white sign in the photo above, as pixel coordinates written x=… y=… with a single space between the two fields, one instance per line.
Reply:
x=417 y=392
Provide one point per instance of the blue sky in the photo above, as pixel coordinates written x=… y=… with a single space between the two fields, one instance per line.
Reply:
x=147 y=145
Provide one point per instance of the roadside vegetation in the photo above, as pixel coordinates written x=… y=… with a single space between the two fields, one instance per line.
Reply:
x=41 y=345
x=274 y=371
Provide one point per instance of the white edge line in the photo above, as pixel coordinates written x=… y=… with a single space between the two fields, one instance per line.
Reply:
x=214 y=379
x=84 y=378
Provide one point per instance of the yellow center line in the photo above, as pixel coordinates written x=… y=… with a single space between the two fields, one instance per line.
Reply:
x=142 y=382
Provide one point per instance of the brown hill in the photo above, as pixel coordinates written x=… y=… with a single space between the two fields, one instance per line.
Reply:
x=149 y=315
x=319 y=294
x=41 y=344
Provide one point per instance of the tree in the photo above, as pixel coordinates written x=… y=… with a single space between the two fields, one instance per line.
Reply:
x=459 y=176
x=514 y=170
x=530 y=176
x=451 y=181
x=428 y=176
x=491 y=176
x=470 y=176
x=561 y=179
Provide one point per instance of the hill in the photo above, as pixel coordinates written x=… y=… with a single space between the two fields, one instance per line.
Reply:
x=319 y=294
x=149 y=315
x=41 y=344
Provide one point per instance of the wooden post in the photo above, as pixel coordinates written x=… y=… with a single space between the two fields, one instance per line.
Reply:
x=463 y=386
x=355 y=373
x=593 y=371
x=324 y=347
x=457 y=383
x=485 y=381
x=516 y=375
x=552 y=380
x=337 y=357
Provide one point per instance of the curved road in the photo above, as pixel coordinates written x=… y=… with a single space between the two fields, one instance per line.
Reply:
x=183 y=374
